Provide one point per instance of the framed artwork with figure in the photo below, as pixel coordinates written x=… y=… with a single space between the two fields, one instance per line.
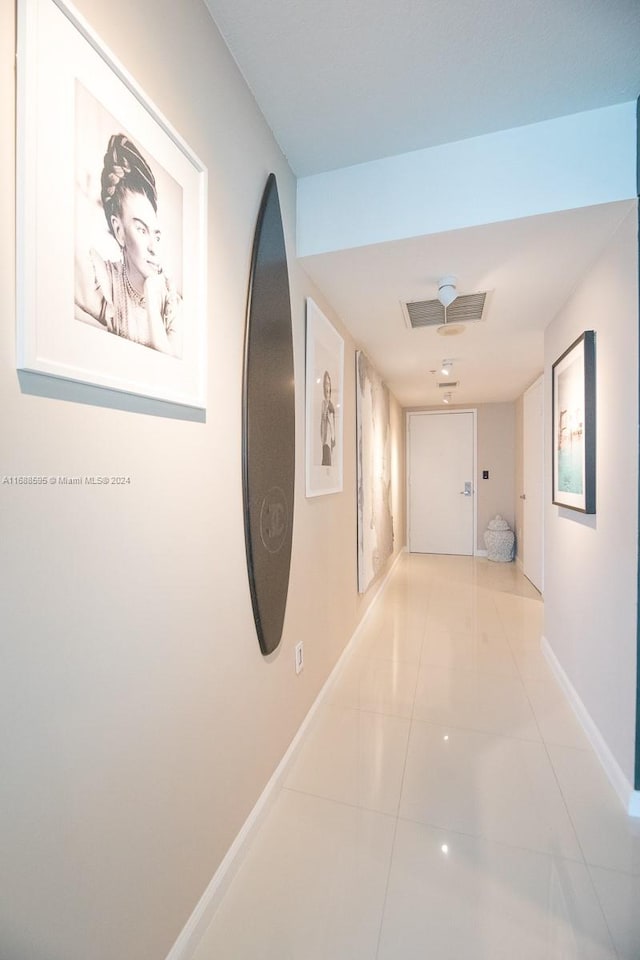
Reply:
x=111 y=241
x=324 y=404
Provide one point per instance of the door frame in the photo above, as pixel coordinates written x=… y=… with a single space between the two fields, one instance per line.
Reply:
x=538 y=383
x=442 y=413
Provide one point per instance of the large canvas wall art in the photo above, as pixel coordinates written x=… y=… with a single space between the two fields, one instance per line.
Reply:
x=375 y=520
x=574 y=426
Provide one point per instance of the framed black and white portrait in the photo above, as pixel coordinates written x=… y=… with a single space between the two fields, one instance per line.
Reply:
x=324 y=399
x=111 y=246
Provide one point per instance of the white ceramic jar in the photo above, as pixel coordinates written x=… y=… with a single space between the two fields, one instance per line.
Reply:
x=499 y=540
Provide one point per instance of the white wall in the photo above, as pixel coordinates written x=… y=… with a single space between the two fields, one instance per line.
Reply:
x=497 y=454
x=139 y=722
x=591 y=561
x=575 y=161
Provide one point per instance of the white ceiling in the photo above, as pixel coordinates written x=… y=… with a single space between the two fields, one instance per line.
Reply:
x=346 y=81
x=529 y=266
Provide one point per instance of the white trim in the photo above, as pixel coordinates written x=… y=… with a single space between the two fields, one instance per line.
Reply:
x=520 y=566
x=530 y=444
x=630 y=798
x=187 y=942
x=481 y=553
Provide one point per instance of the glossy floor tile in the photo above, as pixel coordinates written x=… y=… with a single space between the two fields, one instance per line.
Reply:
x=530 y=660
x=376 y=686
x=354 y=757
x=478 y=651
x=607 y=836
x=472 y=700
x=444 y=802
x=506 y=789
x=452 y=896
x=555 y=718
x=312 y=886
x=390 y=641
x=619 y=895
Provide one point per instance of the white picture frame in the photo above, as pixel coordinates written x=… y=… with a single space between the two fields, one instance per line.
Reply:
x=324 y=404
x=72 y=95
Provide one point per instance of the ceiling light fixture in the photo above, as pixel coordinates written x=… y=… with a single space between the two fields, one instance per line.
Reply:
x=447 y=293
x=447 y=398
x=447 y=290
x=446 y=367
x=450 y=329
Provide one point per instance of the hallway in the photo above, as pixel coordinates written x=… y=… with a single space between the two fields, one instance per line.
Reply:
x=444 y=802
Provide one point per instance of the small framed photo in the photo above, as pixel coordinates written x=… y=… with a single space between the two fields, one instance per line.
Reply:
x=324 y=397
x=574 y=426
x=111 y=239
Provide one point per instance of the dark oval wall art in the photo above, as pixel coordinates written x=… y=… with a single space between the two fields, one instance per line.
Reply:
x=268 y=424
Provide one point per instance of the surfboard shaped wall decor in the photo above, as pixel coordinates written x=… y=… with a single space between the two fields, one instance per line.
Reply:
x=268 y=424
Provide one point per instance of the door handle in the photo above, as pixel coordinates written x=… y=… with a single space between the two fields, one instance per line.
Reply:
x=523 y=496
x=467 y=489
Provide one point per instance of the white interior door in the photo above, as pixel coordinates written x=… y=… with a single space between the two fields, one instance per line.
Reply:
x=441 y=451
x=533 y=493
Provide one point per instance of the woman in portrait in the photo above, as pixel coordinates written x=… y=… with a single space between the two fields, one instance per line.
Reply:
x=327 y=422
x=131 y=297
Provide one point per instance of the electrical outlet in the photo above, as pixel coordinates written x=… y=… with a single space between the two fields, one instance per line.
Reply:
x=299 y=657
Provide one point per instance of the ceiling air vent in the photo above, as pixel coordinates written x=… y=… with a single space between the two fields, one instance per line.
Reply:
x=449 y=384
x=467 y=308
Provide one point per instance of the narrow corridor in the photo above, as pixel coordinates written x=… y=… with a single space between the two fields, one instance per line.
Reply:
x=444 y=803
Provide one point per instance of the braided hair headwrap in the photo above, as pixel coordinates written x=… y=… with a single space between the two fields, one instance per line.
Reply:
x=125 y=169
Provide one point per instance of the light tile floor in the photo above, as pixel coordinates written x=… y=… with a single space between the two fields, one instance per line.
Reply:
x=445 y=803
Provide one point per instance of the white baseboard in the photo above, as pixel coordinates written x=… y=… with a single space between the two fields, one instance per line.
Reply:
x=480 y=553
x=630 y=798
x=195 y=927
